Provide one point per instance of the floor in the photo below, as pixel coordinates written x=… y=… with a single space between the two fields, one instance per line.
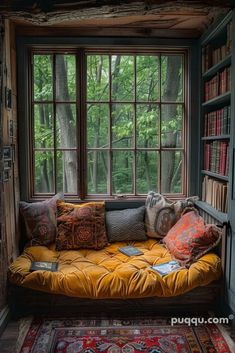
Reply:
x=9 y=338
x=10 y=335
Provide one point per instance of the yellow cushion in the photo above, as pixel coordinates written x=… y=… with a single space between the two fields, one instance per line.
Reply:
x=107 y=273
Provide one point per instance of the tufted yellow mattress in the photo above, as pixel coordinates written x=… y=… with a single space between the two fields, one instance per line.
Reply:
x=109 y=274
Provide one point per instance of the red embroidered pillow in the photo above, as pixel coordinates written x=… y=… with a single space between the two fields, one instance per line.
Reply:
x=190 y=238
x=81 y=226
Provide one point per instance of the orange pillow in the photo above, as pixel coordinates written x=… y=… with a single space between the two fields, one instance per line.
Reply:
x=190 y=238
x=81 y=226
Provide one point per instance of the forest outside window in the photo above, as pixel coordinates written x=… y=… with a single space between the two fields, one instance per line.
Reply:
x=108 y=123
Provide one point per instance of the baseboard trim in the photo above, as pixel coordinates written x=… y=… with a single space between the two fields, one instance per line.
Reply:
x=4 y=318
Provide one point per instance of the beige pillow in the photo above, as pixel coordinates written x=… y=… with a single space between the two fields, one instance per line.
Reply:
x=161 y=213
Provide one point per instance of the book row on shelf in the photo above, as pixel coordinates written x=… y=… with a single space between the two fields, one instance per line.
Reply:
x=216 y=157
x=218 y=84
x=215 y=193
x=212 y=55
x=218 y=122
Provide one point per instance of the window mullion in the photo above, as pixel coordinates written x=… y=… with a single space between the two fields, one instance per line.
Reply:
x=32 y=127
x=78 y=127
x=184 y=127
x=110 y=189
x=82 y=120
x=54 y=121
x=134 y=129
x=160 y=126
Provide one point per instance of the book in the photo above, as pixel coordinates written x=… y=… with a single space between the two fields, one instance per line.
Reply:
x=130 y=250
x=166 y=267
x=43 y=266
x=215 y=193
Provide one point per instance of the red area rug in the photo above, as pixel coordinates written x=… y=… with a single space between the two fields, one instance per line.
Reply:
x=121 y=336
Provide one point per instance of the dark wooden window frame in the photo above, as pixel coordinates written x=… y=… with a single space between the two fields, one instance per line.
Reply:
x=26 y=49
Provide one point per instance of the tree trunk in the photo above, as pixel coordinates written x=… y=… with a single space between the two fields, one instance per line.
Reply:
x=97 y=132
x=65 y=117
x=146 y=159
x=114 y=90
x=44 y=179
x=46 y=166
x=171 y=90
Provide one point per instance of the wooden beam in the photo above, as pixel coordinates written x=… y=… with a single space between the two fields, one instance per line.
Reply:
x=105 y=32
x=43 y=12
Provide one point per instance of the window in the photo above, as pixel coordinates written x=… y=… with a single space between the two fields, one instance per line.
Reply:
x=108 y=123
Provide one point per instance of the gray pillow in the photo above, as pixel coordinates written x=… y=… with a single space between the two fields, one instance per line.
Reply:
x=126 y=224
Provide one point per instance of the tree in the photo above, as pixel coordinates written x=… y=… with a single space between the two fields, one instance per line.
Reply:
x=66 y=120
x=123 y=110
x=170 y=93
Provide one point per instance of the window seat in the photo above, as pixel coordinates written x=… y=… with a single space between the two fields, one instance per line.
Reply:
x=108 y=274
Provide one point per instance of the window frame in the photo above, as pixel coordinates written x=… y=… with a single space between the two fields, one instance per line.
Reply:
x=54 y=103
x=26 y=125
x=158 y=51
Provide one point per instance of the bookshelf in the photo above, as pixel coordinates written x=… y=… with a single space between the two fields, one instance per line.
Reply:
x=214 y=175
x=218 y=137
x=215 y=68
x=216 y=56
x=217 y=186
x=221 y=99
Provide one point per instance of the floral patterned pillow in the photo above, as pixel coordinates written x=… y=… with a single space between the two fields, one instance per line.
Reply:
x=40 y=220
x=81 y=226
x=190 y=238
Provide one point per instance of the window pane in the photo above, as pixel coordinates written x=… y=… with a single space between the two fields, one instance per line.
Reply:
x=44 y=172
x=171 y=172
x=97 y=172
x=42 y=77
x=65 y=78
x=122 y=78
x=171 y=78
x=66 y=125
x=146 y=171
x=122 y=125
x=97 y=77
x=122 y=172
x=147 y=78
x=98 y=125
x=147 y=125
x=66 y=171
x=171 y=126
x=43 y=125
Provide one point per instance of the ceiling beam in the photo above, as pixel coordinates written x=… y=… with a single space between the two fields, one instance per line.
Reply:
x=44 y=12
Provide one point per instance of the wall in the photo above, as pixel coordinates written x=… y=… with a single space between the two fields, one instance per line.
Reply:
x=9 y=182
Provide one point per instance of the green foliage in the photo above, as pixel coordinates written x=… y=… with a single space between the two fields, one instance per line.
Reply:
x=147 y=78
x=122 y=78
x=114 y=122
x=42 y=76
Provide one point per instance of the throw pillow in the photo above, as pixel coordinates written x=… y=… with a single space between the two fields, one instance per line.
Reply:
x=126 y=224
x=161 y=213
x=40 y=220
x=81 y=226
x=190 y=238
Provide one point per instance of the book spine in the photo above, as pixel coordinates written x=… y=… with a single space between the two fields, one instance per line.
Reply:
x=215 y=193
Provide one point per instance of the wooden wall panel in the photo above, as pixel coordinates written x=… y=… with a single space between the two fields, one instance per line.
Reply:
x=9 y=190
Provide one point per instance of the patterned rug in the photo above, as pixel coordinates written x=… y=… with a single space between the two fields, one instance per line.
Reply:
x=121 y=336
